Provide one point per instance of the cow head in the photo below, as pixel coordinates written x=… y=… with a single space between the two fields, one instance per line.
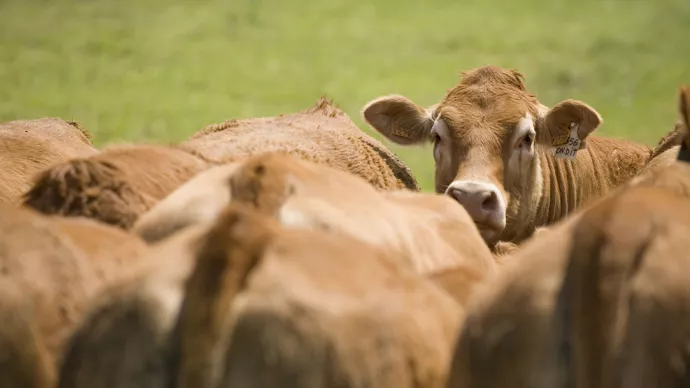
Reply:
x=487 y=133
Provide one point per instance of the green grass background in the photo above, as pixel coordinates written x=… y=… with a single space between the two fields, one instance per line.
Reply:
x=157 y=70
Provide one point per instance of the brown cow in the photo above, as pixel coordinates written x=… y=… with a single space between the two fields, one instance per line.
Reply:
x=30 y=146
x=114 y=186
x=316 y=310
x=547 y=318
x=122 y=183
x=494 y=151
x=628 y=283
x=556 y=314
x=429 y=231
x=322 y=134
x=124 y=340
x=628 y=292
x=57 y=265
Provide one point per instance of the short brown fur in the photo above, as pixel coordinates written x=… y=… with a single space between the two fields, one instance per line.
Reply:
x=430 y=231
x=629 y=290
x=59 y=265
x=30 y=146
x=25 y=362
x=322 y=134
x=426 y=231
x=460 y=282
x=319 y=310
x=130 y=327
x=115 y=186
x=227 y=255
x=510 y=337
x=198 y=200
x=124 y=339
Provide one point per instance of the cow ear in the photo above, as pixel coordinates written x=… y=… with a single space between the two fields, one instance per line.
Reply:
x=558 y=122
x=685 y=110
x=684 y=100
x=399 y=119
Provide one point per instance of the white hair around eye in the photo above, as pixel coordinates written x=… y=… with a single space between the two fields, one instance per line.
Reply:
x=440 y=136
x=521 y=148
x=524 y=134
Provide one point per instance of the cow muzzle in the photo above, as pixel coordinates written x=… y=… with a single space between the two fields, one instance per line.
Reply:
x=484 y=203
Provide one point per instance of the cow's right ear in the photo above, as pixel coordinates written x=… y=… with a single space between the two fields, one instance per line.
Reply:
x=399 y=119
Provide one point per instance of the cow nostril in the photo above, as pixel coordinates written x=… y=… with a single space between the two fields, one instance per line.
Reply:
x=457 y=195
x=490 y=203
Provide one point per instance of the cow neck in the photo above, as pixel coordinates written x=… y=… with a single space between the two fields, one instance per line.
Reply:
x=562 y=188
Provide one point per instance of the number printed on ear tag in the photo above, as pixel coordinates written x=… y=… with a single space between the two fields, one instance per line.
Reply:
x=400 y=133
x=569 y=149
x=560 y=139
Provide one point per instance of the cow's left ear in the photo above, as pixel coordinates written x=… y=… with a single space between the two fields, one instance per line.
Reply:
x=555 y=126
x=685 y=108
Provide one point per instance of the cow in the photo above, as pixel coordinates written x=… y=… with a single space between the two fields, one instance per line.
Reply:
x=627 y=289
x=627 y=284
x=268 y=306
x=550 y=316
x=56 y=264
x=574 y=306
x=127 y=339
x=322 y=134
x=664 y=155
x=512 y=162
x=124 y=339
x=114 y=186
x=123 y=182
x=30 y=146
x=429 y=231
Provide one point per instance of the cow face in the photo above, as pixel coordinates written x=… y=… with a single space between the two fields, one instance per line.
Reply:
x=487 y=134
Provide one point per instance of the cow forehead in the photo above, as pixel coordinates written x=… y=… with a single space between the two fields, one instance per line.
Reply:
x=484 y=107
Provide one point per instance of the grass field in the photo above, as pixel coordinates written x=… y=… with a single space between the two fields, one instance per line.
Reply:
x=157 y=70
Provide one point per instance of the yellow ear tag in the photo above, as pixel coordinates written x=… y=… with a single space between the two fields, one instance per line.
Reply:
x=569 y=148
x=561 y=138
x=397 y=132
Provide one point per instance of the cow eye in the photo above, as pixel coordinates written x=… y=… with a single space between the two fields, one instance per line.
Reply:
x=527 y=140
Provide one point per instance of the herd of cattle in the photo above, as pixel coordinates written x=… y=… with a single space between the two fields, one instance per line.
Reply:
x=297 y=251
